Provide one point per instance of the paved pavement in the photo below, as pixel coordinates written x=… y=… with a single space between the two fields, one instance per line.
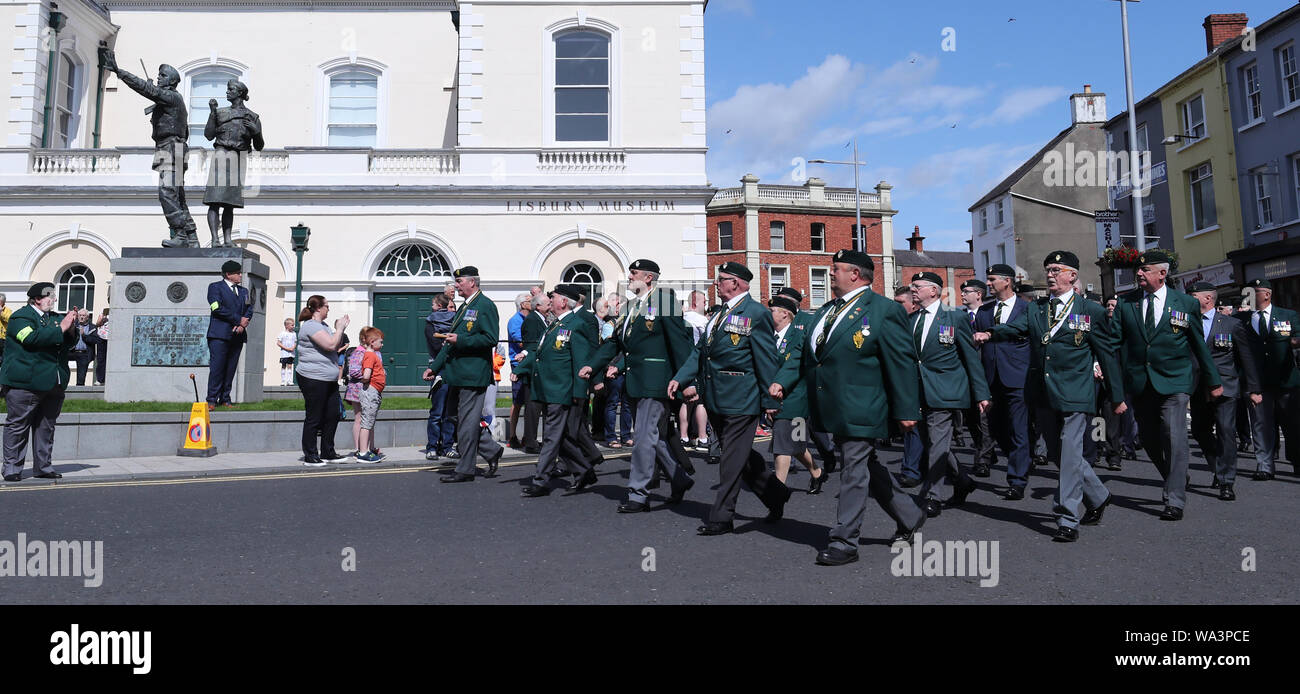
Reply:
x=235 y=536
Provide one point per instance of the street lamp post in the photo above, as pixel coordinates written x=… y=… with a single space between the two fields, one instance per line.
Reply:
x=298 y=235
x=1134 y=157
x=857 y=189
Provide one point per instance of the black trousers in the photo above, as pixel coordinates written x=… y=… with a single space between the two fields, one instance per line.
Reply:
x=101 y=360
x=741 y=462
x=322 y=413
x=83 y=359
x=223 y=359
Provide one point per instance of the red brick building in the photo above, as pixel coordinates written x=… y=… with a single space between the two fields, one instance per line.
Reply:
x=954 y=267
x=787 y=234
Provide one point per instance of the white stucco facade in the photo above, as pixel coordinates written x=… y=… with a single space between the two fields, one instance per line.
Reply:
x=463 y=159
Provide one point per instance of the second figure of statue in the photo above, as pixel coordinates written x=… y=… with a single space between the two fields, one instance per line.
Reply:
x=236 y=131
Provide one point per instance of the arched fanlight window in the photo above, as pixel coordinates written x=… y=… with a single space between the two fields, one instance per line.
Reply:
x=413 y=260
x=76 y=287
x=588 y=277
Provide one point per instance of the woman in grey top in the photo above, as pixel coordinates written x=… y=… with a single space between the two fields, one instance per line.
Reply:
x=318 y=379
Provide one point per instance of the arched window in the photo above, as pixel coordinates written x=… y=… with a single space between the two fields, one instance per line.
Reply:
x=353 y=117
x=205 y=84
x=588 y=278
x=65 y=104
x=582 y=86
x=414 y=260
x=76 y=288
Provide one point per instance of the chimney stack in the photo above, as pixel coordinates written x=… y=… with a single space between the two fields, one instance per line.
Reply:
x=1088 y=106
x=1220 y=28
x=914 y=241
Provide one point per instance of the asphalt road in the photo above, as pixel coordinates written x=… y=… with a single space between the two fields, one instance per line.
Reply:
x=283 y=539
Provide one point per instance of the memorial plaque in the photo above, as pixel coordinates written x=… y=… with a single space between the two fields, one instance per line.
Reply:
x=169 y=341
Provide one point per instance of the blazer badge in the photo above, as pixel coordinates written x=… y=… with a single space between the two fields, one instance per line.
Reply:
x=947 y=335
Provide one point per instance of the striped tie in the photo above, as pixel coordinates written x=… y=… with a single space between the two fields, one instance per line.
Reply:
x=830 y=322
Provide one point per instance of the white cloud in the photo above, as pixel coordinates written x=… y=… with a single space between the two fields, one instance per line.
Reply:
x=1020 y=104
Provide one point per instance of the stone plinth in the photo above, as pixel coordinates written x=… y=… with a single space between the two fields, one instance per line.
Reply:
x=159 y=322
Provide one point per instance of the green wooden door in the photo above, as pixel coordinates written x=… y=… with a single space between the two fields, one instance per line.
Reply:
x=401 y=317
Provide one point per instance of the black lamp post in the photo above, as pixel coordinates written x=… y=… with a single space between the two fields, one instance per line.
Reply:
x=298 y=234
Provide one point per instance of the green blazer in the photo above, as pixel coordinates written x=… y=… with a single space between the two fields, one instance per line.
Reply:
x=1163 y=359
x=468 y=363
x=1276 y=356
x=656 y=344
x=553 y=363
x=950 y=366
x=789 y=353
x=734 y=369
x=36 y=351
x=865 y=373
x=1060 y=372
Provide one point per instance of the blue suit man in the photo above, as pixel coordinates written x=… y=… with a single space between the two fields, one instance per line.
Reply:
x=232 y=309
x=1005 y=366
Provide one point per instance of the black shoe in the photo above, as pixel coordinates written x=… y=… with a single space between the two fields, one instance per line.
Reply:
x=907 y=481
x=493 y=462
x=1262 y=476
x=1227 y=494
x=1115 y=465
x=834 y=556
x=1171 y=513
x=715 y=528
x=714 y=460
x=679 y=493
x=960 y=492
x=14 y=477
x=905 y=536
x=933 y=508
x=514 y=442
x=50 y=476
x=1038 y=461
x=774 y=515
x=1014 y=494
x=1093 y=515
x=981 y=470
x=532 y=491
x=1064 y=534
x=815 y=484
x=585 y=481
x=532 y=450
x=633 y=507
x=457 y=477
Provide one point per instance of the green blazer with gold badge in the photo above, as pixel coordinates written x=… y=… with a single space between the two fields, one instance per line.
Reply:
x=1164 y=356
x=654 y=341
x=468 y=363
x=864 y=374
x=734 y=361
x=554 y=362
x=950 y=366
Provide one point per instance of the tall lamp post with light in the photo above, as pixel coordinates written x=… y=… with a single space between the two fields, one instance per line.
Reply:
x=298 y=235
x=1134 y=175
x=857 y=189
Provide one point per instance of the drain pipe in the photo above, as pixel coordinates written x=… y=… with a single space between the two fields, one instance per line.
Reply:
x=57 y=22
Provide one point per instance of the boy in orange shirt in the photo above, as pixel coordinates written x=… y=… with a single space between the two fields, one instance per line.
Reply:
x=372 y=392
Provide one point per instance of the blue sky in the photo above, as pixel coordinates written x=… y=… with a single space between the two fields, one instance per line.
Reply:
x=800 y=79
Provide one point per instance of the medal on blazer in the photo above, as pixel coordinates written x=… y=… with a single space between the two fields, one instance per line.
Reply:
x=1223 y=340
x=1080 y=323
x=469 y=319
x=1281 y=328
x=737 y=326
x=650 y=318
x=1178 y=320
x=562 y=338
x=947 y=335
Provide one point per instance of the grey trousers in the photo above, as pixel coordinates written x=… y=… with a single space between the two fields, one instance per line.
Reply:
x=936 y=435
x=650 y=447
x=1264 y=428
x=862 y=475
x=557 y=436
x=31 y=412
x=1064 y=432
x=740 y=460
x=1214 y=425
x=1162 y=424
x=472 y=438
x=982 y=439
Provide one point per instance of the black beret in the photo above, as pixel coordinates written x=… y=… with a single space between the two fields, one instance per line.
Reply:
x=784 y=302
x=39 y=290
x=568 y=291
x=1025 y=288
x=1260 y=284
x=1153 y=257
x=731 y=267
x=467 y=271
x=1002 y=270
x=927 y=277
x=231 y=266
x=646 y=265
x=976 y=284
x=792 y=293
x=1093 y=296
x=1231 y=300
x=854 y=258
x=1065 y=258
x=1199 y=287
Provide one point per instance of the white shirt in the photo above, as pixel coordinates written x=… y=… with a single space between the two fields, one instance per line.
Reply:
x=1159 y=301
x=780 y=334
x=731 y=303
x=1066 y=299
x=232 y=286
x=1007 y=305
x=821 y=324
x=927 y=314
x=1261 y=320
x=697 y=323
